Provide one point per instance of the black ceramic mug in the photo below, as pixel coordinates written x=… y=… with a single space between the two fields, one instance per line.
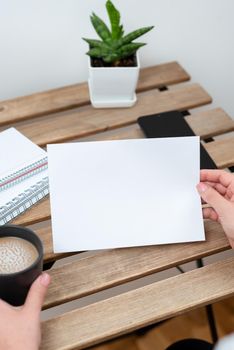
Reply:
x=14 y=286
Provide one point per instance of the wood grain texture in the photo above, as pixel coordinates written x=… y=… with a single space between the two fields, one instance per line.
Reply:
x=90 y=274
x=69 y=97
x=127 y=312
x=88 y=121
x=210 y=123
x=222 y=151
x=37 y=213
x=192 y=324
x=204 y=124
x=45 y=235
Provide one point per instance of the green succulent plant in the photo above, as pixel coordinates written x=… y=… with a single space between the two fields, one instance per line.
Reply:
x=114 y=45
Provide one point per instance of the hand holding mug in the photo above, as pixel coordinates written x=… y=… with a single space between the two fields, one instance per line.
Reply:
x=20 y=326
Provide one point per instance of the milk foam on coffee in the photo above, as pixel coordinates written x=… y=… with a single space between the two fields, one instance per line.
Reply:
x=16 y=254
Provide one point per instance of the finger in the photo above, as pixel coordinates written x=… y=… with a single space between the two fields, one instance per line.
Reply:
x=4 y=305
x=220 y=176
x=216 y=185
x=220 y=188
x=220 y=204
x=37 y=294
x=231 y=241
x=210 y=213
x=230 y=194
x=224 y=191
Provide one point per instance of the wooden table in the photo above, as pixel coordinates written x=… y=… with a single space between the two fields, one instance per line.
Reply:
x=65 y=114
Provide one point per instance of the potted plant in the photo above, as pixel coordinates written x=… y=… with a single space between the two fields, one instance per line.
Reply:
x=113 y=62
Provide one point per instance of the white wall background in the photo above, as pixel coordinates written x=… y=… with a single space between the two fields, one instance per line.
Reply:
x=41 y=46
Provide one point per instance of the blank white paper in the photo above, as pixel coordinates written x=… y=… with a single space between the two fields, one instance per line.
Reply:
x=112 y=194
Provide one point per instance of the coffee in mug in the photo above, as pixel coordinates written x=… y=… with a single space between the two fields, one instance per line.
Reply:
x=16 y=254
x=21 y=258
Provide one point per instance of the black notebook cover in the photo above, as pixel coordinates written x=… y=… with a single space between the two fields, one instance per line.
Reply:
x=172 y=124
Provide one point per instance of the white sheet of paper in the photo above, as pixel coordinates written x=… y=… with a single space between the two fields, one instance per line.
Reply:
x=111 y=194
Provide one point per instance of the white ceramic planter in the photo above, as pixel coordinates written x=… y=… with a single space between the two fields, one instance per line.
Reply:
x=113 y=86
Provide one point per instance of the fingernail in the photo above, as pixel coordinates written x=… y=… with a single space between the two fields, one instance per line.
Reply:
x=201 y=187
x=45 y=279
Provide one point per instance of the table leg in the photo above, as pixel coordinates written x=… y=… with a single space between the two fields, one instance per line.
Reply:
x=48 y=265
x=210 y=313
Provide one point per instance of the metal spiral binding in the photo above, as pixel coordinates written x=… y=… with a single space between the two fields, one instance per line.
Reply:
x=23 y=174
x=24 y=201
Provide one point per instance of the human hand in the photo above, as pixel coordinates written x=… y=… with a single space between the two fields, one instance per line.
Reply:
x=217 y=189
x=225 y=343
x=20 y=326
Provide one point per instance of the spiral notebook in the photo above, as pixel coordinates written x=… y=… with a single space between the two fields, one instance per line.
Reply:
x=23 y=174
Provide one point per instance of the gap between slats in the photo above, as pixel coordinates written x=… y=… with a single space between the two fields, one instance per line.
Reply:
x=89 y=275
x=127 y=312
x=89 y=121
x=69 y=97
x=222 y=152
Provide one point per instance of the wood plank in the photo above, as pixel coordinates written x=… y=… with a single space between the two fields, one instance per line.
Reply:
x=210 y=123
x=132 y=131
x=204 y=124
x=87 y=121
x=46 y=236
x=37 y=213
x=89 y=275
x=127 y=312
x=161 y=75
x=222 y=151
x=192 y=324
x=65 y=98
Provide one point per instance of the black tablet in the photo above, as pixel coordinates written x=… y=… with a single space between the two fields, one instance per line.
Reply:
x=172 y=124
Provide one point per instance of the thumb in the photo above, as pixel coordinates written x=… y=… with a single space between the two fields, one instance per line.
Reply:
x=37 y=294
x=213 y=198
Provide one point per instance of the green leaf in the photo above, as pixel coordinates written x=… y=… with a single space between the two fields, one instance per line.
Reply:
x=101 y=28
x=121 y=31
x=111 y=58
x=114 y=16
x=129 y=49
x=95 y=52
x=123 y=52
x=93 y=43
x=133 y=36
x=98 y=52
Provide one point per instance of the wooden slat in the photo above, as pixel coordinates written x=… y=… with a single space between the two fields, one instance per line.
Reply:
x=127 y=312
x=61 y=99
x=222 y=151
x=87 y=121
x=37 y=213
x=89 y=275
x=210 y=123
x=204 y=124
x=161 y=75
x=45 y=235
x=129 y=132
